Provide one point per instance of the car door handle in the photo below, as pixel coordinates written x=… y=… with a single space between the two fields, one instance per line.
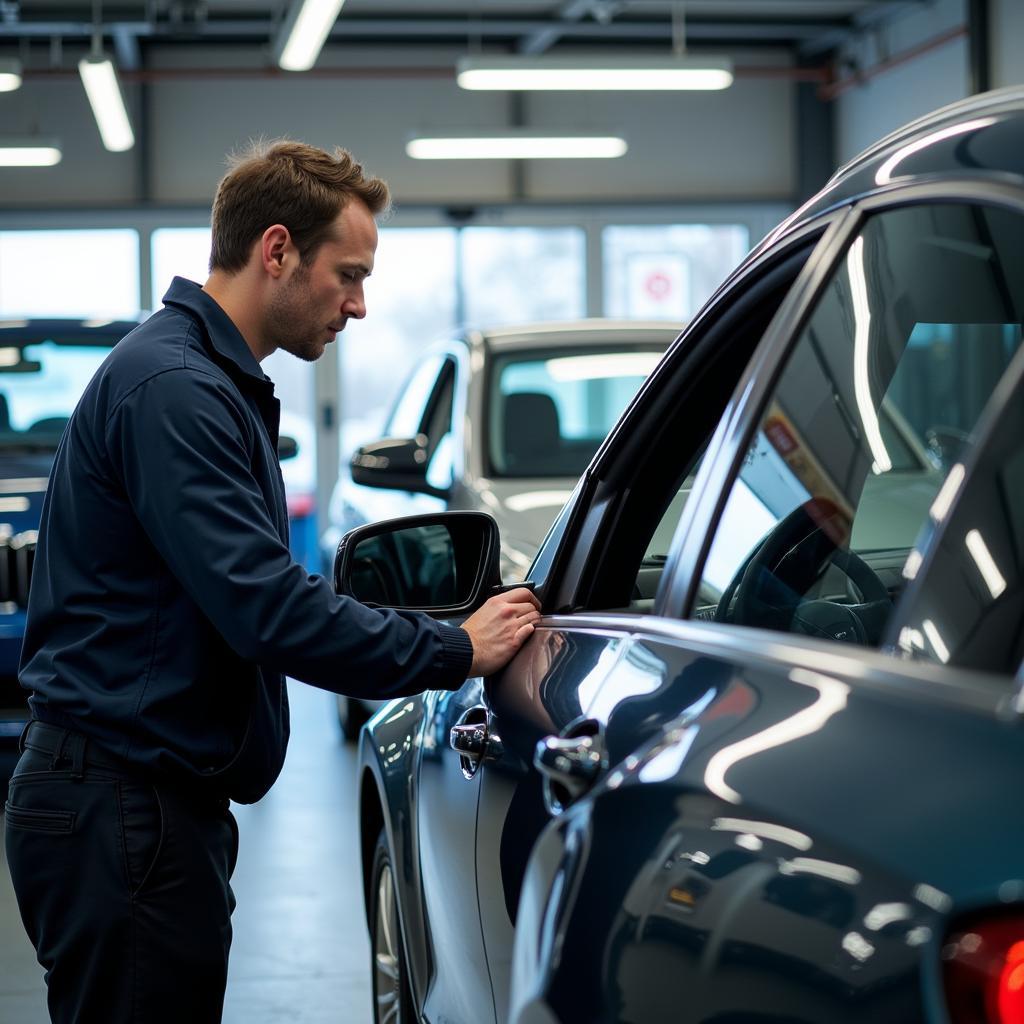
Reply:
x=474 y=740
x=570 y=764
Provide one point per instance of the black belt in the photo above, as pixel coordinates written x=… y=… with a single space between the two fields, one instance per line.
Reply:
x=65 y=745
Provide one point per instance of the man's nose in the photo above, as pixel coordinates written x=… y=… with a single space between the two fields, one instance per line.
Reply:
x=354 y=305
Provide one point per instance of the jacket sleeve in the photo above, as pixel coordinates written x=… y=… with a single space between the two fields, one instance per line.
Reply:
x=180 y=444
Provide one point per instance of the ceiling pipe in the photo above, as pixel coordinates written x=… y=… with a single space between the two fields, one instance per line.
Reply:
x=831 y=90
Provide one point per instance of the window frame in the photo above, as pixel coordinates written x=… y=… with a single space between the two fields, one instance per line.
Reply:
x=734 y=434
x=608 y=490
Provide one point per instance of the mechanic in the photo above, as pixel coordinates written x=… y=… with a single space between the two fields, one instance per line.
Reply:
x=166 y=608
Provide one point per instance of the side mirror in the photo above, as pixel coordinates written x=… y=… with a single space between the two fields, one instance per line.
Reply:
x=445 y=563
x=395 y=463
x=287 y=447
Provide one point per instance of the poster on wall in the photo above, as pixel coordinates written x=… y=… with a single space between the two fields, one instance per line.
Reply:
x=658 y=286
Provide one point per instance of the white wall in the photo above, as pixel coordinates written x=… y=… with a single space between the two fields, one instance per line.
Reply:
x=737 y=144
x=1007 y=41
x=867 y=112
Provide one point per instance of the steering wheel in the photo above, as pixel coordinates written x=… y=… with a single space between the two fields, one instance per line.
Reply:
x=768 y=588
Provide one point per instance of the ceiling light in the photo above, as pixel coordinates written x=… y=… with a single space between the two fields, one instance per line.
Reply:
x=30 y=152
x=104 y=91
x=305 y=31
x=515 y=144
x=610 y=74
x=10 y=74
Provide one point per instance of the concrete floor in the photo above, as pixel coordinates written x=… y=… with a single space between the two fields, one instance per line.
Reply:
x=300 y=952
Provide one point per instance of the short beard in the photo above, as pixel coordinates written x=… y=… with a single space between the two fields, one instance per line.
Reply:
x=284 y=321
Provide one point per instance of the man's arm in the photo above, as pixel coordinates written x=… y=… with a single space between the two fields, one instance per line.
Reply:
x=179 y=445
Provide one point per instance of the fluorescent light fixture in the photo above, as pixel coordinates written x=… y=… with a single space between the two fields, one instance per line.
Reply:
x=104 y=92
x=994 y=579
x=610 y=364
x=305 y=31
x=861 y=354
x=515 y=144
x=935 y=639
x=947 y=493
x=607 y=74
x=29 y=152
x=10 y=74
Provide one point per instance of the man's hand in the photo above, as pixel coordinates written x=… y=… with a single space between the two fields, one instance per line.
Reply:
x=499 y=628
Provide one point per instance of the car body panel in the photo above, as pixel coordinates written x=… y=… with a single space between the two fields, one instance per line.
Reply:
x=770 y=876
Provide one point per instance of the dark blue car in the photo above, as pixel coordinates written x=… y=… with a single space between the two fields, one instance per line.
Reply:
x=759 y=762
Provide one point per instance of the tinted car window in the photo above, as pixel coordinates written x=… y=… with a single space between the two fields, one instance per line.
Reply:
x=905 y=345
x=550 y=411
x=967 y=605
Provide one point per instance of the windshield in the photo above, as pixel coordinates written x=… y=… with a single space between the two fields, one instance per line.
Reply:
x=549 y=411
x=40 y=386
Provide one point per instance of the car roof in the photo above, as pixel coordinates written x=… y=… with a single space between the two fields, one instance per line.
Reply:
x=572 y=333
x=978 y=137
x=16 y=333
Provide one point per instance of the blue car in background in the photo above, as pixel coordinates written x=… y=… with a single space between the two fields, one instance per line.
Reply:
x=44 y=367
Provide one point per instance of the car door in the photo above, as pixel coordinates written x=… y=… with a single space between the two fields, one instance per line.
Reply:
x=776 y=838
x=559 y=686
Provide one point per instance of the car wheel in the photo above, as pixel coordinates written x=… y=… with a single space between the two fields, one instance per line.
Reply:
x=392 y=997
x=351 y=716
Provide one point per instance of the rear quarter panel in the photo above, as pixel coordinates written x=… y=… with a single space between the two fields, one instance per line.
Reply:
x=795 y=851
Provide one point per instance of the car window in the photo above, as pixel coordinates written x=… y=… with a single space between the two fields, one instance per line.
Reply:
x=549 y=411
x=407 y=416
x=966 y=604
x=437 y=427
x=885 y=383
x=40 y=385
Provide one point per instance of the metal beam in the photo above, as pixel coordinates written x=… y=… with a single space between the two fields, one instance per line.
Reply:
x=621 y=31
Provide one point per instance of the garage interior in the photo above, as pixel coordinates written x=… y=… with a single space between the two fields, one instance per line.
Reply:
x=704 y=176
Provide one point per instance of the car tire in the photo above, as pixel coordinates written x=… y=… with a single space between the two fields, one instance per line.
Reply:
x=351 y=716
x=392 y=996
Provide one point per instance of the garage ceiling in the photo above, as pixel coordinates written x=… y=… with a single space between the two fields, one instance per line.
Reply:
x=810 y=28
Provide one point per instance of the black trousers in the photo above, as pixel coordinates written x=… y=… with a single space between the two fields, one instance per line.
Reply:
x=123 y=886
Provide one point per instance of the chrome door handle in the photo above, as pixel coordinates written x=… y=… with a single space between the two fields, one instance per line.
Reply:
x=570 y=765
x=473 y=739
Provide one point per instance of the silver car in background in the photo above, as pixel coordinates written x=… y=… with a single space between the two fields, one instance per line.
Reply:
x=502 y=421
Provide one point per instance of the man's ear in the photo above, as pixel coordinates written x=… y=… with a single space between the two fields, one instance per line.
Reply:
x=276 y=249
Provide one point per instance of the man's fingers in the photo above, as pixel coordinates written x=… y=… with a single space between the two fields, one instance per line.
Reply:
x=523 y=632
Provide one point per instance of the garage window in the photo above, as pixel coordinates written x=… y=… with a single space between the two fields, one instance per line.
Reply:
x=82 y=273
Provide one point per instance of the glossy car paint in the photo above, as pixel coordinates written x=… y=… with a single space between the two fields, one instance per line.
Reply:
x=748 y=856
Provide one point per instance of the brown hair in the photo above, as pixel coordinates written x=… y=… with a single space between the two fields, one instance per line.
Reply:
x=289 y=183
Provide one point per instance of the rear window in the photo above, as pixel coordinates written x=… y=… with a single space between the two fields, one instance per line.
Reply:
x=549 y=411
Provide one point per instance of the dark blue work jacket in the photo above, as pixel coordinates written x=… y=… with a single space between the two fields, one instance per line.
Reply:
x=165 y=606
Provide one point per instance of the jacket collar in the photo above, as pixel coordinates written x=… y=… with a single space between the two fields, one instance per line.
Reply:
x=223 y=335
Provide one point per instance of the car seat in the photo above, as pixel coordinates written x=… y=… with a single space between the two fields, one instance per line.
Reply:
x=532 y=433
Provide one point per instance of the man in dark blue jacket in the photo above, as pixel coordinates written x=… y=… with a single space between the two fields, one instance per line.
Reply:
x=166 y=608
